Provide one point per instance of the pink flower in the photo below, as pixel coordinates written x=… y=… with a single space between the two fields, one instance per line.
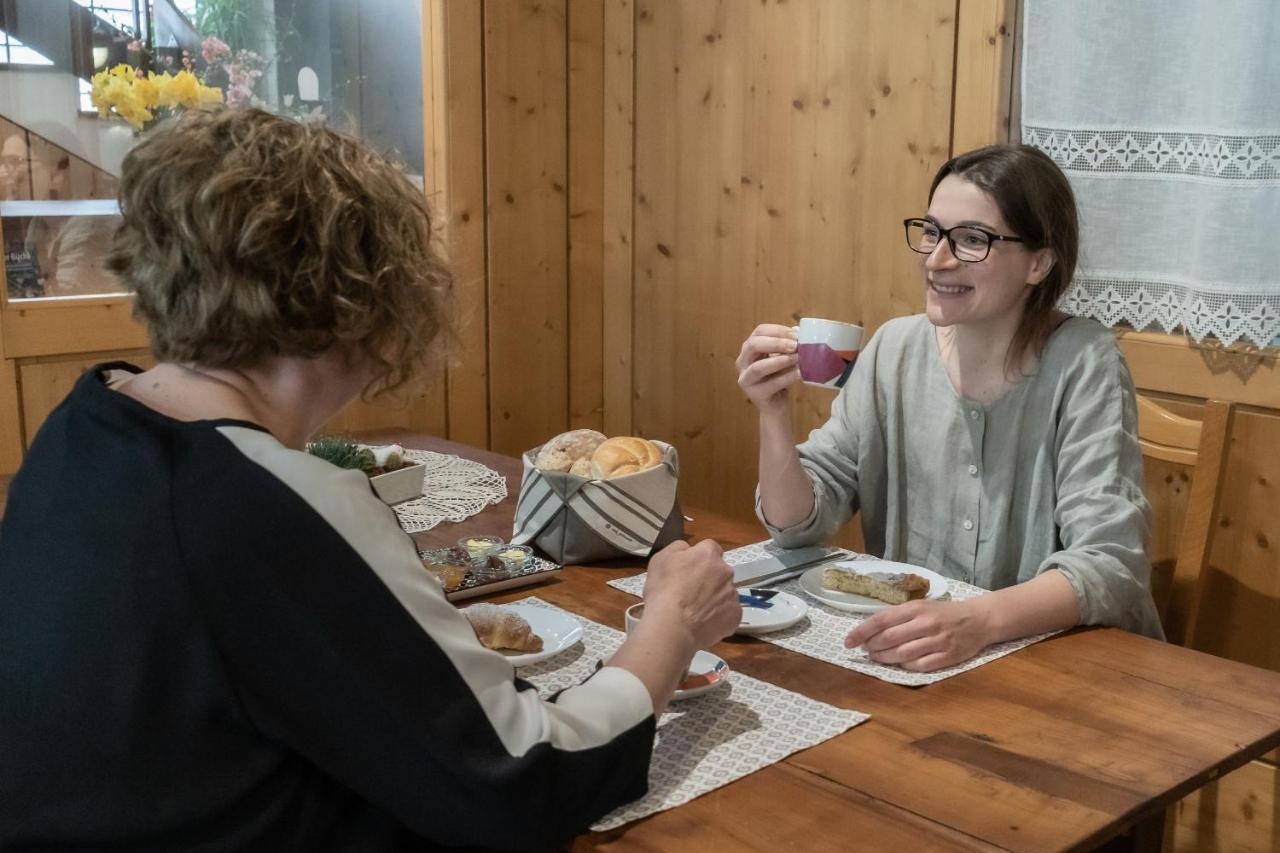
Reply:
x=213 y=49
x=239 y=94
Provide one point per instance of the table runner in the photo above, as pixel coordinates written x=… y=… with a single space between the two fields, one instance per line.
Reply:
x=707 y=741
x=821 y=634
x=453 y=489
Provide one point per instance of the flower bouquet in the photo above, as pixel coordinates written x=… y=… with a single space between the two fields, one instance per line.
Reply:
x=137 y=97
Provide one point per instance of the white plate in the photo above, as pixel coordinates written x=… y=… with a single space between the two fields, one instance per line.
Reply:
x=811 y=584
x=558 y=631
x=708 y=671
x=786 y=611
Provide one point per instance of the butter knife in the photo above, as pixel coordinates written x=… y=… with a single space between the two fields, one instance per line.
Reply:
x=776 y=569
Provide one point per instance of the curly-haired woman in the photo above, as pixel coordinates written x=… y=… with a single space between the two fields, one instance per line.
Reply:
x=210 y=639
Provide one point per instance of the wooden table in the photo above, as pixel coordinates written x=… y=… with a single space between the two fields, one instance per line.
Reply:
x=1065 y=745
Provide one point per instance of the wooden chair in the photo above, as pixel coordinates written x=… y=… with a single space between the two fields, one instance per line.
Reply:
x=1202 y=445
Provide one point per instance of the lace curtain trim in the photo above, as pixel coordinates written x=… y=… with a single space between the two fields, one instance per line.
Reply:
x=1167 y=153
x=1169 y=306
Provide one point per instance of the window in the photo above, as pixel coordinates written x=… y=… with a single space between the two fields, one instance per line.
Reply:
x=17 y=53
x=117 y=21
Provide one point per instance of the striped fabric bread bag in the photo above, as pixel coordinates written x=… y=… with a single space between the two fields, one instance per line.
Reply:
x=581 y=519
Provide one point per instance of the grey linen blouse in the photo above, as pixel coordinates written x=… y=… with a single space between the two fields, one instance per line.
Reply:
x=1048 y=476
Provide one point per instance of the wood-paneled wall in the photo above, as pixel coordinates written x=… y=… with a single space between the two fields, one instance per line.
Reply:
x=659 y=177
x=675 y=172
x=777 y=149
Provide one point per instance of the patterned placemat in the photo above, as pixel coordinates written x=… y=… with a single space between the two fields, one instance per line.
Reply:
x=453 y=489
x=821 y=634
x=706 y=741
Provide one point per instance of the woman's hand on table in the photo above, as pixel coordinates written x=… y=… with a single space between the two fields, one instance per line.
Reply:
x=923 y=636
x=768 y=365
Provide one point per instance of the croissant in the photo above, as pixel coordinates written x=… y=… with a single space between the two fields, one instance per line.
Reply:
x=500 y=628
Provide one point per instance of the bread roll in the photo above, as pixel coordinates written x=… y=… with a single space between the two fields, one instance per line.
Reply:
x=500 y=628
x=624 y=455
x=561 y=452
x=582 y=467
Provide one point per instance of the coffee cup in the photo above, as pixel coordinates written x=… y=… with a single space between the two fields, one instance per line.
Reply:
x=827 y=350
x=631 y=618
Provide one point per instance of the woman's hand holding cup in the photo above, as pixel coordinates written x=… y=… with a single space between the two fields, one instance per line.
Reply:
x=768 y=366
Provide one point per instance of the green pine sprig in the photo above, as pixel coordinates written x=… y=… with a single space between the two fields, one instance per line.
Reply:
x=343 y=453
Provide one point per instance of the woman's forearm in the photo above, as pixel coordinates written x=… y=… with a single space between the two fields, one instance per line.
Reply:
x=658 y=654
x=1042 y=604
x=786 y=493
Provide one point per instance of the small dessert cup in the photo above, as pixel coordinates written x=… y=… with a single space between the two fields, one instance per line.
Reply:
x=478 y=548
x=447 y=565
x=512 y=557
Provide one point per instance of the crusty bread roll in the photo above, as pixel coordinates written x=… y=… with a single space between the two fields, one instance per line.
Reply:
x=500 y=628
x=887 y=587
x=561 y=452
x=582 y=467
x=624 y=455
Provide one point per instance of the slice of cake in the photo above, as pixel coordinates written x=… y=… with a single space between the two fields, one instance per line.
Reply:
x=883 y=586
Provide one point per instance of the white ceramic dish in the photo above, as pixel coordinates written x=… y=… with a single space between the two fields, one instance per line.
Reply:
x=811 y=584
x=399 y=486
x=706 y=672
x=559 y=632
x=786 y=611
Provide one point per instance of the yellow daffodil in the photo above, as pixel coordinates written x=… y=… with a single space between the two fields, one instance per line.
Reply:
x=125 y=92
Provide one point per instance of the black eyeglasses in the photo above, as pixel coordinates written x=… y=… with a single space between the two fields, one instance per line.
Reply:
x=969 y=243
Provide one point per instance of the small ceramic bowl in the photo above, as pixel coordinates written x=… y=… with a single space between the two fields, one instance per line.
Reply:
x=402 y=485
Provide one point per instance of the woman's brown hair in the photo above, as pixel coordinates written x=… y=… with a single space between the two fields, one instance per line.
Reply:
x=1036 y=202
x=246 y=235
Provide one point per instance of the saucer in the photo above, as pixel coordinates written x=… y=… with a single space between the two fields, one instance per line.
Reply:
x=706 y=672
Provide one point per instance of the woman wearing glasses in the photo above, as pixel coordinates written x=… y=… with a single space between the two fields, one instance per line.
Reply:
x=992 y=438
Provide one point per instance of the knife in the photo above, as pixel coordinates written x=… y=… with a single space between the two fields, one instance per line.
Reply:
x=785 y=565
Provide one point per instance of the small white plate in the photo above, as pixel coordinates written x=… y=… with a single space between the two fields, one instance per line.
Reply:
x=811 y=584
x=786 y=611
x=558 y=631
x=706 y=672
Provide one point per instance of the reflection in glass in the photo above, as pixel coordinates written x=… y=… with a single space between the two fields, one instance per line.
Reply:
x=355 y=65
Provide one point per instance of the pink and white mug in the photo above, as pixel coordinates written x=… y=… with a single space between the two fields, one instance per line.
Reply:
x=827 y=351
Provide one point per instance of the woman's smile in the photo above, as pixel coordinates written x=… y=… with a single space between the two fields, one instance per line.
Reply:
x=942 y=289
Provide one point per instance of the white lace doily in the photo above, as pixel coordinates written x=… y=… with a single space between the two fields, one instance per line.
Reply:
x=453 y=489
x=821 y=634
x=707 y=741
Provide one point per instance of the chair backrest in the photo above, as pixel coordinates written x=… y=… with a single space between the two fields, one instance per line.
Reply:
x=1203 y=446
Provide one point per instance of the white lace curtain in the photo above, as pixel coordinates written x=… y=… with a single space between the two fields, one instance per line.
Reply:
x=1166 y=118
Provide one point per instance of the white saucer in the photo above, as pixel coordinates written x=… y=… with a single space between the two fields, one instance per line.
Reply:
x=558 y=631
x=710 y=671
x=786 y=611
x=811 y=584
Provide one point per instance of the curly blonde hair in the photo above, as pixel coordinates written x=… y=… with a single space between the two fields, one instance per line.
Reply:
x=246 y=235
